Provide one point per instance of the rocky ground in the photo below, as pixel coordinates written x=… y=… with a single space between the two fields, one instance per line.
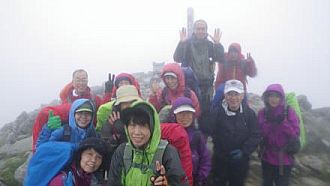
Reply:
x=312 y=163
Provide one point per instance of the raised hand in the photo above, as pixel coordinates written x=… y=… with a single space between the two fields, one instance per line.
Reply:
x=154 y=87
x=183 y=35
x=217 y=36
x=161 y=179
x=54 y=122
x=113 y=117
x=248 y=56
x=109 y=84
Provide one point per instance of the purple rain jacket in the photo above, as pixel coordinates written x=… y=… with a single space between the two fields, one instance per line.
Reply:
x=277 y=128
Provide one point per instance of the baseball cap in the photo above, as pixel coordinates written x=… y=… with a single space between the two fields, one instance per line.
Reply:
x=234 y=85
x=183 y=108
x=87 y=107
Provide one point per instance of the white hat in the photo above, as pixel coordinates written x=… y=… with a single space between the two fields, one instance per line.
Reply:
x=234 y=85
x=170 y=74
x=184 y=108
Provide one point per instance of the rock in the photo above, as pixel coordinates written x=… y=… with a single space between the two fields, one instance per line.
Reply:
x=304 y=103
x=19 y=147
x=26 y=126
x=308 y=181
x=22 y=117
x=2 y=182
x=255 y=102
x=11 y=138
x=326 y=143
x=314 y=163
x=323 y=113
x=21 y=171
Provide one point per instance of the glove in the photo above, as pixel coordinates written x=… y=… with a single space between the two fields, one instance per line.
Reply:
x=236 y=154
x=54 y=122
x=109 y=84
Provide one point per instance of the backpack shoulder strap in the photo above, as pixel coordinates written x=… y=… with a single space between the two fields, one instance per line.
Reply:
x=93 y=100
x=66 y=132
x=187 y=92
x=286 y=112
x=159 y=154
x=128 y=151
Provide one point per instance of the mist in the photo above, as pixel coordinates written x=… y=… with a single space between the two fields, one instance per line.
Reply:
x=43 y=42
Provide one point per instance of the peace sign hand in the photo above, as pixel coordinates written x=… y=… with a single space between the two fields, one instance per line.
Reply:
x=110 y=83
x=161 y=179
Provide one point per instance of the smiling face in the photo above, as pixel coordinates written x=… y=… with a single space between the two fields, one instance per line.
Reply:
x=274 y=99
x=90 y=160
x=234 y=100
x=83 y=119
x=139 y=134
x=200 y=29
x=80 y=82
x=185 y=118
x=171 y=82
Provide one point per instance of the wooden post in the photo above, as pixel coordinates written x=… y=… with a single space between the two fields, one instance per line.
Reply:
x=190 y=21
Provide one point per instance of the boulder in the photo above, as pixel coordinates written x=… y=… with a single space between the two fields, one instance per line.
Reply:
x=304 y=103
x=2 y=182
x=318 y=164
x=19 y=147
x=21 y=171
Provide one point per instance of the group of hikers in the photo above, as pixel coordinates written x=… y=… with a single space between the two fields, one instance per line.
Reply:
x=124 y=139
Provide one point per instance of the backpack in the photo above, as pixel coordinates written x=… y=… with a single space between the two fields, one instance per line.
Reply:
x=296 y=144
x=179 y=139
x=67 y=133
x=49 y=159
x=128 y=151
x=42 y=119
x=292 y=101
x=191 y=80
x=177 y=136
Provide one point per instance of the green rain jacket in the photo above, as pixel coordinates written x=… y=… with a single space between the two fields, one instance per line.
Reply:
x=103 y=113
x=137 y=176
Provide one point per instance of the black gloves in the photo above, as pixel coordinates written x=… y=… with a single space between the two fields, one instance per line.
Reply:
x=109 y=84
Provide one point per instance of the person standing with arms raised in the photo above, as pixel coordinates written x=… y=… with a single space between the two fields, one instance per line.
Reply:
x=199 y=53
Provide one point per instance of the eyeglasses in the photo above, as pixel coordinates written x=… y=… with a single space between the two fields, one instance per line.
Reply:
x=81 y=80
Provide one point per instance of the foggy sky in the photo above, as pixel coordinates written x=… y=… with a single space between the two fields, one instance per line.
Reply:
x=43 y=42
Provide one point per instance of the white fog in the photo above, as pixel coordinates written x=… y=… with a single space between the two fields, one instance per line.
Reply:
x=43 y=42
